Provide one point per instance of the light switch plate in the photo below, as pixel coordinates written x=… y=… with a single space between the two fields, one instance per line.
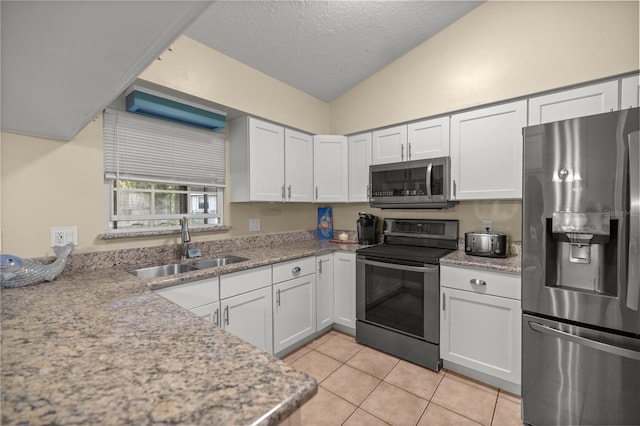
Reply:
x=487 y=226
x=254 y=224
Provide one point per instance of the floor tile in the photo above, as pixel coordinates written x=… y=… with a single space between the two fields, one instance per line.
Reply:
x=437 y=415
x=362 y=418
x=507 y=413
x=350 y=384
x=320 y=340
x=371 y=388
x=510 y=396
x=317 y=365
x=339 y=348
x=372 y=362
x=295 y=355
x=326 y=408
x=472 y=382
x=394 y=405
x=465 y=399
x=415 y=379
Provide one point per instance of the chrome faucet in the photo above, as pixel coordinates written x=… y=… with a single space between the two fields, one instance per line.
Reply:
x=185 y=238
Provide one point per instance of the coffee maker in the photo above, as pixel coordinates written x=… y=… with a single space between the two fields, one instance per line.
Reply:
x=367 y=225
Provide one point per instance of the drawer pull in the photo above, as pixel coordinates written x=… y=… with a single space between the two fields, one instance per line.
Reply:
x=296 y=270
x=476 y=281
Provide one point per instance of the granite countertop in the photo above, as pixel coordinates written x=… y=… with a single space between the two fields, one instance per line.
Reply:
x=96 y=347
x=510 y=264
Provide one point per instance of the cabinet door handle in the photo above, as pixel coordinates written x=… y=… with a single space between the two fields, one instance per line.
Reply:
x=316 y=193
x=319 y=266
x=401 y=152
x=289 y=191
x=409 y=151
x=278 y=297
x=368 y=191
x=454 y=188
x=296 y=270
x=476 y=281
x=226 y=315
x=444 y=298
x=283 y=196
x=216 y=318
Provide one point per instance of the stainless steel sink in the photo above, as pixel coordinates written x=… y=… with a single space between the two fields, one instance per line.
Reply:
x=162 y=270
x=220 y=261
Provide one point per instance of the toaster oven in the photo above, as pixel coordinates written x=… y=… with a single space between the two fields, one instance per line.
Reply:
x=485 y=244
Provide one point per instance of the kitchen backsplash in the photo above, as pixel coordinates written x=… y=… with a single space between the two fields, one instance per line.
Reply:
x=148 y=256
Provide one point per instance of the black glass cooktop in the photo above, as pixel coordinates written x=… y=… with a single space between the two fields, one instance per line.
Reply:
x=427 y=255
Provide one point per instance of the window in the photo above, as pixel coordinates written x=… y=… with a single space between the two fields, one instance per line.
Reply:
x=157 y=172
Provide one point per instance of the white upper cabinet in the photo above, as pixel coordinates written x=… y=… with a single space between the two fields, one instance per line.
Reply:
x=359 y=162
x=579 y=102
x=630 y=92
x=330 y=168
x=258 y=166
x=298 y=175
x=428 y=139
x=389 y=145
x=486 y=152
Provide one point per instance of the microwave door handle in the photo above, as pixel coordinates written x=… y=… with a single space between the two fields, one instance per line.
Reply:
x=633 y=280
x=429 y=172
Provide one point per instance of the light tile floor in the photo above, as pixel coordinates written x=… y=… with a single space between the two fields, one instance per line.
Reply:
x=360 y=386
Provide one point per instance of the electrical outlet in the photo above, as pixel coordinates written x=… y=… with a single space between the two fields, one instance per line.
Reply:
x=61 y=236
x=254 y=224
x=487 y=226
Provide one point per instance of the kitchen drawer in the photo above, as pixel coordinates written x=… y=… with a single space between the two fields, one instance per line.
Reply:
x=193 y=294
x=293 y=269
x=244 y=281
x=495 y=283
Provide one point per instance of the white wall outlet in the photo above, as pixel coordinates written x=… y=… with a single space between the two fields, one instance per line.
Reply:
x=487 y=226
x=64 y=235
x=254 y=224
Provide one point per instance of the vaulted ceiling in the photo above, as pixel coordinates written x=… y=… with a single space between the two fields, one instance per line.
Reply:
x=64 y=61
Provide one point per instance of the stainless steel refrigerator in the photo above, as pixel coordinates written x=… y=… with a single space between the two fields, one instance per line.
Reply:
x=581 y=271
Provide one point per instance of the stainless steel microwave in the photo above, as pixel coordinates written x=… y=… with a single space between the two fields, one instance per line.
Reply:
x=422 y=184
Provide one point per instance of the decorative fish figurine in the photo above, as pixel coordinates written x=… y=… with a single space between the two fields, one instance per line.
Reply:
x=17 y=272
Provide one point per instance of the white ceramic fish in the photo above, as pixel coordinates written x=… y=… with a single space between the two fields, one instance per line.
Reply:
x=17 y=272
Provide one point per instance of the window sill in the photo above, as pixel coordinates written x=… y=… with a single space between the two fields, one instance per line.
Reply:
x=114 y=235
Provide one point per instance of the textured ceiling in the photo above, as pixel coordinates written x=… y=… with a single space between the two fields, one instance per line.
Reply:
x=323 y=48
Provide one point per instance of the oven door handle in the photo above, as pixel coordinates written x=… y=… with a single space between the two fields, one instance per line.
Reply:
x=397 y=266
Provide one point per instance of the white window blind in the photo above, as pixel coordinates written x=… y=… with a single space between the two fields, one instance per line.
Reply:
x=148 y=149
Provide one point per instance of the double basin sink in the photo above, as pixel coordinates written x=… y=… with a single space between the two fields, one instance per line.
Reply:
x=177 y=268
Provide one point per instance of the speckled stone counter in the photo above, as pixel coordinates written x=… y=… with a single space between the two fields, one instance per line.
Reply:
x=99 y=347
x=510 y=264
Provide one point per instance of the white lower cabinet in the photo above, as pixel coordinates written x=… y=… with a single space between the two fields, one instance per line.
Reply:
x=246 y=306
x=324 y=291
x=294 y=302
x=344 y=290
x=480 y=324
x=200 y=297
x=209 y=312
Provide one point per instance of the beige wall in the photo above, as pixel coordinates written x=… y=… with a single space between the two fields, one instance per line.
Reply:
x=192 y=68
x=500 y=50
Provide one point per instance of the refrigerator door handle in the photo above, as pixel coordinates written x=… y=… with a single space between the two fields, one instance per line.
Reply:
x=594 y=344
x=633 y=280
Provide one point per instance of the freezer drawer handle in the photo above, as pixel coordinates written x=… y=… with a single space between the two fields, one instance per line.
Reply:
x=476 y=281
x=603 y=347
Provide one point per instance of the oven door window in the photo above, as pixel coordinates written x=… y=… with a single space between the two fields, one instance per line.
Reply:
x=395 y=298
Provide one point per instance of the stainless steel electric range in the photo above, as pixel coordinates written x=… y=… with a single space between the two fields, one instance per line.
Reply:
x=398 y=289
